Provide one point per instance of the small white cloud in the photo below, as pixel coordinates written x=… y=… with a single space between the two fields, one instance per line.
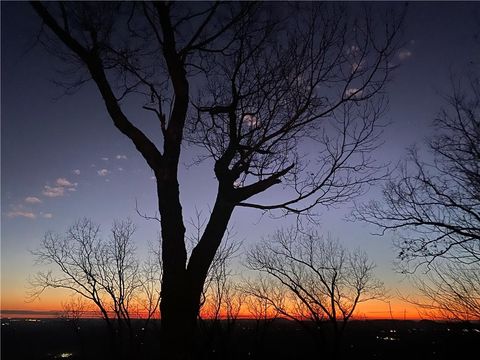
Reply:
x=357 y=66
x=104 y=158
x=55 y=191
x=353 y=92
x=404 y=54
x=121 y=157
x=47 y=215
x=76 y=172
x=20 y=213
x=61 y=185
x=32 y=200
x=120 y=169
x=152 y=178
x=251 y=120
x=352 y=50
x=93 y=165
x=63 y=182
x=103 y=172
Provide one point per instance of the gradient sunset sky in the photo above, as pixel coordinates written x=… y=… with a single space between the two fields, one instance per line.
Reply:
x=63 y=159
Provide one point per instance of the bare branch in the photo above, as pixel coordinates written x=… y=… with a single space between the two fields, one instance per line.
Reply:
x=435 y=206
x=323 y=278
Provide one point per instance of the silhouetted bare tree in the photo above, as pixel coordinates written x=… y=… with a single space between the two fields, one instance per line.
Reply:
x=221 y=299
x=219 y=314
x=73 y=311
x=323 y=280
x=269 y=77
x=105 y=272
x=434 y=205
x=449 y=290
x=264 y=303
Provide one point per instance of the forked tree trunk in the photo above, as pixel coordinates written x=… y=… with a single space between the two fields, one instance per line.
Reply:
x=182 y=285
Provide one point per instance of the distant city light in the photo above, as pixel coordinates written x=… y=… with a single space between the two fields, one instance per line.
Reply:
x=65 y=355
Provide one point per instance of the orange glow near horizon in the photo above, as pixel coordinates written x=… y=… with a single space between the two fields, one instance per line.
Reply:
x=51 y=307
x=395 y=310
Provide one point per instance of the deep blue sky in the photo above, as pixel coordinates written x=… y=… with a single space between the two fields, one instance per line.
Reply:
x=67 y=145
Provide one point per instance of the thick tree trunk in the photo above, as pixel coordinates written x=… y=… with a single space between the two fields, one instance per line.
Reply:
x=179 y=318
x=181 y=285
x=178 y=321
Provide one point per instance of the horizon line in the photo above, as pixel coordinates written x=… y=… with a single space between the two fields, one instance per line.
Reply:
x=56 y=314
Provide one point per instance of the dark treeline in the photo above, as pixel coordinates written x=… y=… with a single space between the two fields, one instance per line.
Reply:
x=374 y=339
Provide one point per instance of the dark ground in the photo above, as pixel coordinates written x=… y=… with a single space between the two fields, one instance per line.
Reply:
x=374 y=339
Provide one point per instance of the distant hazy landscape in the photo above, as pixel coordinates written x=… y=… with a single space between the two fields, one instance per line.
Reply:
x=41 y=339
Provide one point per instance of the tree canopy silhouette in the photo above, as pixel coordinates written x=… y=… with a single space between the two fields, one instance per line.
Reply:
x=314 y=278
x=105 y=272
x=273 y=94
x=434 y=206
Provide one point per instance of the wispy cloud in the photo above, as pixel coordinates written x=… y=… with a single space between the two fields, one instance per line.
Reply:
x=352 y=50
x=404 y=54
x=53 y=191
x=104 y=158
x=103 y=172
x=76 y=172
x=32 y=200
x=357 y=66
x=61 y=185
x=21 y=213
x=47 y=215
x=120 y=169
x=121 y=157
x=63 y=182
x=353 y=92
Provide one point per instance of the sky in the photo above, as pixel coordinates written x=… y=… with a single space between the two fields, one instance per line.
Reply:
x=62 y=159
